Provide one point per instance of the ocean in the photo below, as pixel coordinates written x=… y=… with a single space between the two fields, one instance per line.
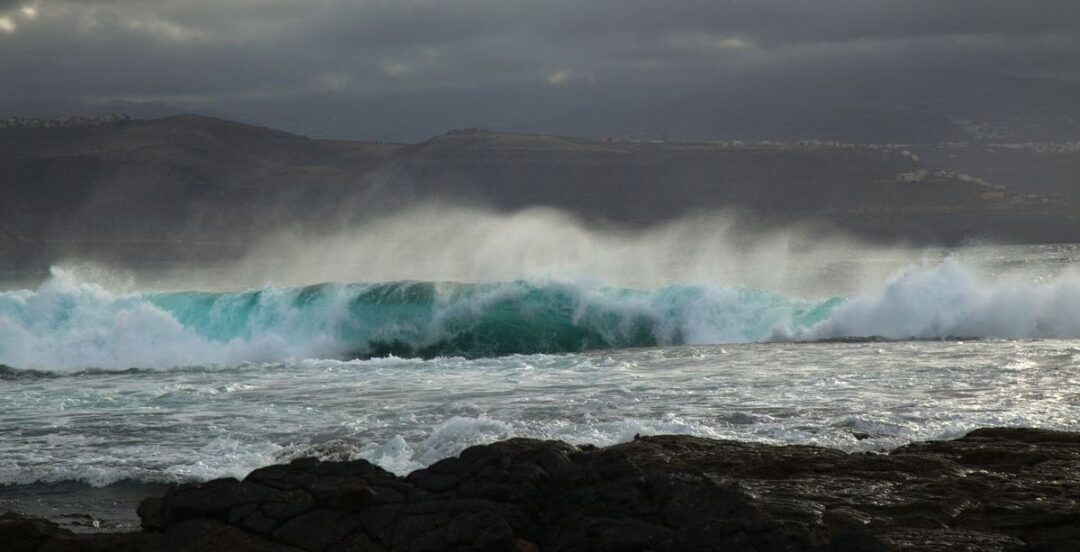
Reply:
x=111 y=391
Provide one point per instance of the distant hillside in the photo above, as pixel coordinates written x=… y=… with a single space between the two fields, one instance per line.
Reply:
x=200 y=188
x=1051 y=170
x=872 y=105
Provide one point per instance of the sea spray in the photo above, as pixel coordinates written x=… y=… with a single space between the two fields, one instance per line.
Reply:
x=946 y=299
x=69 y=324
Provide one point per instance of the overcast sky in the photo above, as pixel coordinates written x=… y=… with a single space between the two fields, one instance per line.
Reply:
x=254 y=50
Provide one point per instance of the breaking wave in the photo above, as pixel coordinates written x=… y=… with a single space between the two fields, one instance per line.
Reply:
x=68 y=324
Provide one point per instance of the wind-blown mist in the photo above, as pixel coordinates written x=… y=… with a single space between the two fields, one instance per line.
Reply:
x=950 y=300
x=467 y=282
x=464 y=244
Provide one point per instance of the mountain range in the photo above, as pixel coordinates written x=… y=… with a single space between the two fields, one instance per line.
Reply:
x=187 y=187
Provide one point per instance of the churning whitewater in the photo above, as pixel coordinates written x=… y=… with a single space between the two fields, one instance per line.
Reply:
x=226 y=382
x=68 y=324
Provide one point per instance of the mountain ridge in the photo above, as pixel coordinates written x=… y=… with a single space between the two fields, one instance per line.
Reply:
x=206 y=187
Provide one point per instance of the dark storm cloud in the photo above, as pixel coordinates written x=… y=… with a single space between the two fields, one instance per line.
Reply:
x=255 y=49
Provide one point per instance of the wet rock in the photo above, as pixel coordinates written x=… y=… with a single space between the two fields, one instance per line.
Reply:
x=20 y=533
x=151 y=512
x=213 y=500
x=207 y=534
x=993 y=490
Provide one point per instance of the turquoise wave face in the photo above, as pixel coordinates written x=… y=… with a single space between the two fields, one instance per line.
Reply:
x=70 y=324
x=428 y=319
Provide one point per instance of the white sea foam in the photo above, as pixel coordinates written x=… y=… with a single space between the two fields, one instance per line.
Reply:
x=403 y=414
x=69 y=324
x=949 y=300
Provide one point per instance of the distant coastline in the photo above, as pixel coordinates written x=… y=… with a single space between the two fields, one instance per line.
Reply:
x=192 y=189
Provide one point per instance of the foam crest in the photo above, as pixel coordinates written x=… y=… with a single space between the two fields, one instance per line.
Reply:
x=947 y=299
x=69 y=324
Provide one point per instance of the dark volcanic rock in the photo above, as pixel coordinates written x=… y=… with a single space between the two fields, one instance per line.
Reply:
x=995 y=489
x=19 y=533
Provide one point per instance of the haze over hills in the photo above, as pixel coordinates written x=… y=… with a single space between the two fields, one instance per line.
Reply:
x=858 y=107
x=192 y=187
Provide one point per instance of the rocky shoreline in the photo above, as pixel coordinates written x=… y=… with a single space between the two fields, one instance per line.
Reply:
x=994 y=489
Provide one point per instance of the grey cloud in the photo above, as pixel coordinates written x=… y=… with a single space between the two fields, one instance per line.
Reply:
x=781 y=21
x=238 y=50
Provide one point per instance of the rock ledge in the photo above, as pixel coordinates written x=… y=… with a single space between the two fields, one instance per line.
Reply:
x=993 y=490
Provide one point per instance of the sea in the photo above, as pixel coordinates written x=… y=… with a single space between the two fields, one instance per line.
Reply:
x=111 y=392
